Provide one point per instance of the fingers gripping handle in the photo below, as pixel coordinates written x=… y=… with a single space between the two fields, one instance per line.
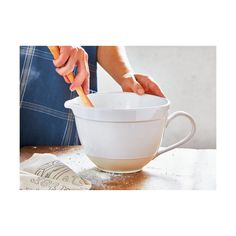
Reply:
x=184 y=140
x=56 y=53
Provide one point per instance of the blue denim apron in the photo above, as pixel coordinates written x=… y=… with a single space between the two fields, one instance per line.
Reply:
x=43 y=118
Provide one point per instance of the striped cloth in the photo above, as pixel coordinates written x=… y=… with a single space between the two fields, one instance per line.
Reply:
x=43 y=118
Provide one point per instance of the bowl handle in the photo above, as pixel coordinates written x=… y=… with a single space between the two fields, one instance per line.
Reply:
x=184 y=140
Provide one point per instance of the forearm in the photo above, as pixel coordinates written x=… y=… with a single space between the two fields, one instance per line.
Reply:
x=114 y=60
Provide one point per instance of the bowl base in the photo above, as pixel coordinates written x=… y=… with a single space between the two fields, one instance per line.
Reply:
x=120 y=165
x=119 y=172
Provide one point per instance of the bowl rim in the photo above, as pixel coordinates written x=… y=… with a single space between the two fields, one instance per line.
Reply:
x=166 y=105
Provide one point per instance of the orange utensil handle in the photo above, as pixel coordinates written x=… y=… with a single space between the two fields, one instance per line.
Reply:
x=56 y=53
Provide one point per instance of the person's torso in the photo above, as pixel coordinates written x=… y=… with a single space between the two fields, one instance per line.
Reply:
x=44 y=119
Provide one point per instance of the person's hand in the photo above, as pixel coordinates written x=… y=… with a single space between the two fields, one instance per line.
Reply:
x=140 y=84
x=66 y=62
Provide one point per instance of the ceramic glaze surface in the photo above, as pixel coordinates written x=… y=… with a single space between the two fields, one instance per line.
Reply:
x=123 y=126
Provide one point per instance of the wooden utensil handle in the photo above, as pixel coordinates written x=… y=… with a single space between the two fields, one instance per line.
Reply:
x=56 y=53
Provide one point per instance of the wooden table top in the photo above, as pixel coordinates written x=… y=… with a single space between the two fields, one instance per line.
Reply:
x=177 y=169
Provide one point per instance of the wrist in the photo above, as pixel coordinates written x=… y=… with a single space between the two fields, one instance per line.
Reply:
x=128 y=82
x=125 y=77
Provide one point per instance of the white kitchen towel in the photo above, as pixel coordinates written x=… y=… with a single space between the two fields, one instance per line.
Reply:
x=47 y=172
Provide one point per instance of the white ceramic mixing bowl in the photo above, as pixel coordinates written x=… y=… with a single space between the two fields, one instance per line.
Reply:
x=123 y=132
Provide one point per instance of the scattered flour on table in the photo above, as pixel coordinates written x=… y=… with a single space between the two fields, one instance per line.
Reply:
x=83 y=167
x=98 y=175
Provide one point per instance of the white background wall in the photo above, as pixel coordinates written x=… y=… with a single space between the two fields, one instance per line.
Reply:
x=187 y=76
